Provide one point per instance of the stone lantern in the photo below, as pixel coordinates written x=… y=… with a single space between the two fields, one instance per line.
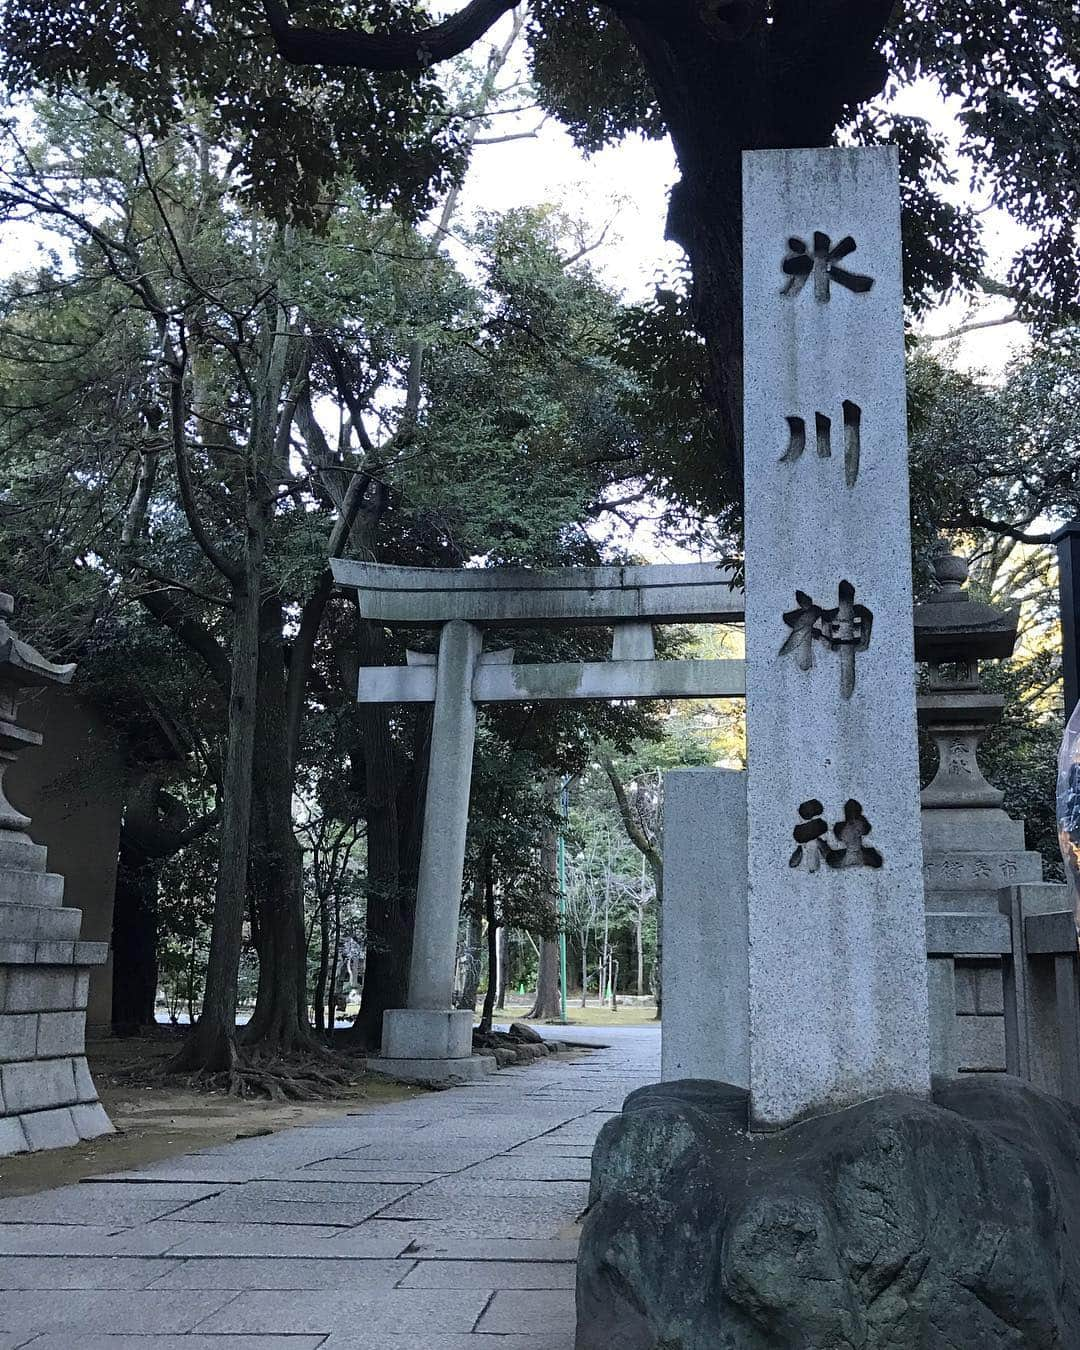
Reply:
x=953 y=633
x=21 y=668
x=47 y=1096
x=992 y=923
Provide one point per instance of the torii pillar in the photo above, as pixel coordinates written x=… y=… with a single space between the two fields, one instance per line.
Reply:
x=430 y=1028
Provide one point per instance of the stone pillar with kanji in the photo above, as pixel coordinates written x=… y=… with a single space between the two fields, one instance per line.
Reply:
x=837 y=955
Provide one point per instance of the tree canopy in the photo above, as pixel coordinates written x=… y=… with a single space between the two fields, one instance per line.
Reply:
x=720 y=76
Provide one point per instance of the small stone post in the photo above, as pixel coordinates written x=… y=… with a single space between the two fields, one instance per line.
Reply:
x=430 y=1028
x=837 y=954
x=704 y=951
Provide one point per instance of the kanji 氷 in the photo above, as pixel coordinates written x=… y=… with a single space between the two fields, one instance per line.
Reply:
x=845 y=629
x=823 y=264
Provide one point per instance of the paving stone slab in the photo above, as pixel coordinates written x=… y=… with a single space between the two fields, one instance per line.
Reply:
x=24 y=1239
x=330 y=1171
x=490 y=1275
x=109 y=1311
x=508 y=1167
x=573 y=1195
x=487 y=1249
x=319 y=1203
x=195 y=1170
x=541 y=1149
x=305 y=1272
x=122 y=1342
x=82 y=1272
x=256 y=1240
x=423 y=1160
x=396 y=1313
x=514 y=1310
x=470 y=1216
x=360 y=1340
x=101 y=1203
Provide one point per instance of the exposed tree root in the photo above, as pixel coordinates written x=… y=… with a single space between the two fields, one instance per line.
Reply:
x=310 y=1076
x=306 y=1077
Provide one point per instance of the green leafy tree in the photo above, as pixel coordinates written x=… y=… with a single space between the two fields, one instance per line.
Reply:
x=201 y=406
x=720 y=76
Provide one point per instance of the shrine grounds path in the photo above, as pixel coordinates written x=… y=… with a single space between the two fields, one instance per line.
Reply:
x=445 y=1222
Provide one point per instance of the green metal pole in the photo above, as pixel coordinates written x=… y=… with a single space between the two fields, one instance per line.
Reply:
x=564 y=802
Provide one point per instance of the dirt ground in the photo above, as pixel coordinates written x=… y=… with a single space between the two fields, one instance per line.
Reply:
x=156 y=1120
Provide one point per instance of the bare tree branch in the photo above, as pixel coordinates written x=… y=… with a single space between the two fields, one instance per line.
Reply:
x=384 y=51
x=972 y=327
x=166 y=609
x=228 y=567
x=631 y=823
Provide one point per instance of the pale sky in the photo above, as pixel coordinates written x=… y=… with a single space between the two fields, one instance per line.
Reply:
x=629 y=184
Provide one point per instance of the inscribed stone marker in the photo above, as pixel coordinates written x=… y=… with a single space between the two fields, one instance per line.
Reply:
x=838 y=1000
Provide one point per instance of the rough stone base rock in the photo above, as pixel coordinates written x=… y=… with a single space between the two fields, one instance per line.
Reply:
x=509 y=1049
x=898 y=1224
x=521 y=1031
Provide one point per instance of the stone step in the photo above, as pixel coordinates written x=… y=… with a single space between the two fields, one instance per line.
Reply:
x=31 y=888
x=22 y=855
x=53 y=953
x=38 y=923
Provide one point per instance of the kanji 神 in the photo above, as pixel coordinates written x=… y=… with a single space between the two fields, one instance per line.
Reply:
x=823 y=264
x=812 y=845
x=845 y=629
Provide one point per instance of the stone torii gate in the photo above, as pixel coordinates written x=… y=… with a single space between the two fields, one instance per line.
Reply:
x=429 y=1040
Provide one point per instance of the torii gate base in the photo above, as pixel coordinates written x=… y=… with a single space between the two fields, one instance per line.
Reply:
x=430 y=1045
x=428 y=1041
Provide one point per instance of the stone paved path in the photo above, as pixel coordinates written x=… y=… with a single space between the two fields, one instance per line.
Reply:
x=439 y=1223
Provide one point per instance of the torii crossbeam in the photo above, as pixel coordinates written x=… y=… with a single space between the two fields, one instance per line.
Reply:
x=429 y=1040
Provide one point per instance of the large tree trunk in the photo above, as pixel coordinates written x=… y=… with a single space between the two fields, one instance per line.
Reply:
x=548 y=1005
x=156 y=826
x=723 y=87
x=275 y=869
x=493 y=931
x=470 y=957
x=322 y=975
x=502 y=947
x=639 y=948
x=212 y=1043
x=658 y=966
x=394 y=823
x=134 y=943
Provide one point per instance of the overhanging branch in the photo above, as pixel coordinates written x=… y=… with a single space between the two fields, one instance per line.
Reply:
x=305 y=46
